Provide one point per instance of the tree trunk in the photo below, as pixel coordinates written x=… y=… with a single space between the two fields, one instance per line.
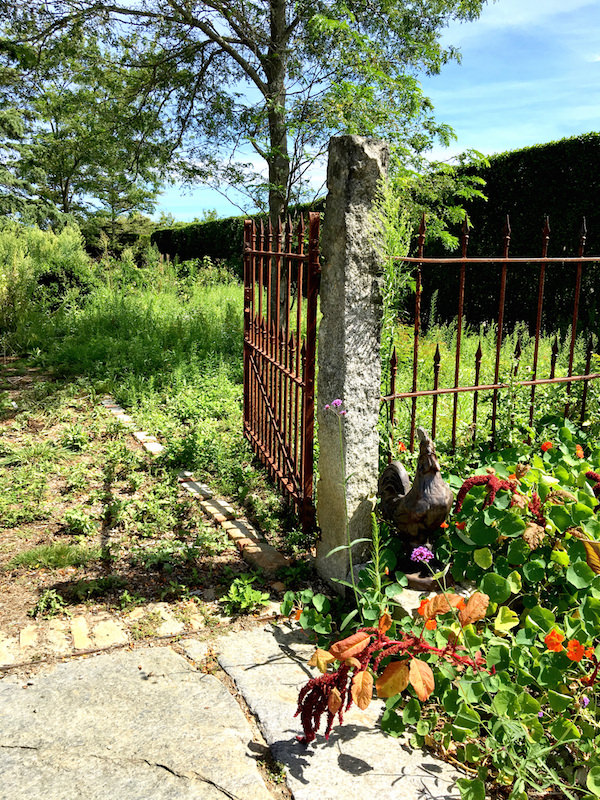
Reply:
x=279 y=163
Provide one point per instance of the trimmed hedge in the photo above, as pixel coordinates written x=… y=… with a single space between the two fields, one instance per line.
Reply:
x=219 y=239
x=561 y=180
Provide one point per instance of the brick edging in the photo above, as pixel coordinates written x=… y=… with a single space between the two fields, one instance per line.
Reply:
x=251 y=544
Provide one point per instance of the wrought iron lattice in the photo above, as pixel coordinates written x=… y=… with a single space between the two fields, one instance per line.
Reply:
x=281 y=284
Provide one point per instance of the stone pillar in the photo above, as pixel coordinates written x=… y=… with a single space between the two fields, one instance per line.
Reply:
x=349 y=366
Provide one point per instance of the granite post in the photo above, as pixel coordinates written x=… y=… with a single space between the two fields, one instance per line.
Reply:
x=349 y=366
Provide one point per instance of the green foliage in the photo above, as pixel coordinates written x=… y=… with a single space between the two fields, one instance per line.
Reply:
x=55 y=556
x=242 y=598
x=50 y=604
x=78 y=523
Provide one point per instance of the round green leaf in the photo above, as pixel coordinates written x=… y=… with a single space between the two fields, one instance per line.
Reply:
x=515 y=581
x=483 y=557
x=412 y=712
x=496 y=587
x=471 y=788
x=518 y=552
x=506 y=619
x=593 y=781
x=534 y=571
x=580 y=575
x=481 y=533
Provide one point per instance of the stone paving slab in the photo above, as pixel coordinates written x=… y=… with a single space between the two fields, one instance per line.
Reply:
x=132 y=725
x=359 y=761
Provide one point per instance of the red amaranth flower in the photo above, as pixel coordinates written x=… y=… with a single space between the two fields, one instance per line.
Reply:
x=535 y=509
x=493 y=483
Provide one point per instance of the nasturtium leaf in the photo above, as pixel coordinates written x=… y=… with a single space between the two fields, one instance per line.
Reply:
x=362 y=689
x=498 y=657
x=528 y=704
x=393 y=590
x=549 y=676
x=593 y=781
x=483 y=557
x=466 y=719
x=481 y=533
x=511 y=524
x=334 y=702
x=559 y=702
x=560 y=557
x=471 y=788
x=505 y=701
x=392 y=723
x=515 y=581
x=393 y=680
x=321 y=659
x=534 y=571
x=421 y=678
x=496 y=587
x=580 y=575
x=518 y=552
x=560 y=517
x=581 y=512
x=412 y=712
x=506 y=619
x=321 y=603
x=565 y=730
x=471 y=691
x=540 y=619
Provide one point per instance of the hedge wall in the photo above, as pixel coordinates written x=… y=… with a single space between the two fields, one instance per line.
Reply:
x=221 y=238
x=561 y=180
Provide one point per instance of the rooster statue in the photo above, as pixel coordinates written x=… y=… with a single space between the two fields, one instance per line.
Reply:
x=416 y=511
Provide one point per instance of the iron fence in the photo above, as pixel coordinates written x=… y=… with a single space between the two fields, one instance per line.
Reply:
x=281 y=283
x=502 y=265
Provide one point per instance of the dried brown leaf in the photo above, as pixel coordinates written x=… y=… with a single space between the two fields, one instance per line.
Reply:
x=440 y=604
x=385 y=623
x=475 y=609
x=534 y=535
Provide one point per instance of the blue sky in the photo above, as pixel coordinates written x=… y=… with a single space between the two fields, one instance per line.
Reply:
x=530 y=73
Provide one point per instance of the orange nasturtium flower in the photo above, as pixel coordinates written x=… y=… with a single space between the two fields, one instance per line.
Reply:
x=554 y=640
x=579 y=451
x=460 y=525
x=546 y=446
x=444 y=525
x=402 y=447
x=461 y=605
x=421 y=608
x=431 y=624
x=575 y=650
x=588 y=652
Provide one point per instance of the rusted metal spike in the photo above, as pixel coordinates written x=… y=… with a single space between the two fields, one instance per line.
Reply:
x=303 y=350
x=582 y=235
x=261 y=230
x=301 y=225
x=394 y=359
x=269 y=229
x=292 y=341
x=555 y=346
x=437 y=357
x=279 y=228
x=479 y=353
x=466 y=228
x=422 y=226
x=506 y=231
x=546 y=228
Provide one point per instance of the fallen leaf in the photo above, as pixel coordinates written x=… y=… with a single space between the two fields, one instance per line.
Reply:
x=351 y=646
x=393 y=680
x=320 y=660
x=385 y=623
x=421 y=678
x=475 y=609
x=362 y=689
x=521 y=470
x=534 y=535
x=334 y=702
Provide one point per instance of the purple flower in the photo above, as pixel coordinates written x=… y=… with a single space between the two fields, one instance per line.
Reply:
x=336 y=403
x=327 y=407
x=421 y=554
x=343 y=413
x=540 y=713
x=584 y=701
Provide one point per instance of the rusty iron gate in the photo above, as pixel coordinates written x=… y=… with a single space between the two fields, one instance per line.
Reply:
x=281 y=284
x=573 y=267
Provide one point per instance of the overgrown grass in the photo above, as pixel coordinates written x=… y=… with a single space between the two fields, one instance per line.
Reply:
x=55 y=556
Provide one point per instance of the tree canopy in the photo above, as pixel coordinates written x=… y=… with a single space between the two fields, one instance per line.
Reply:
x=277 y=76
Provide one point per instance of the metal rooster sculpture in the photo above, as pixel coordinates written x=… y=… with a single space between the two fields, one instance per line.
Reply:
x=416 y=511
